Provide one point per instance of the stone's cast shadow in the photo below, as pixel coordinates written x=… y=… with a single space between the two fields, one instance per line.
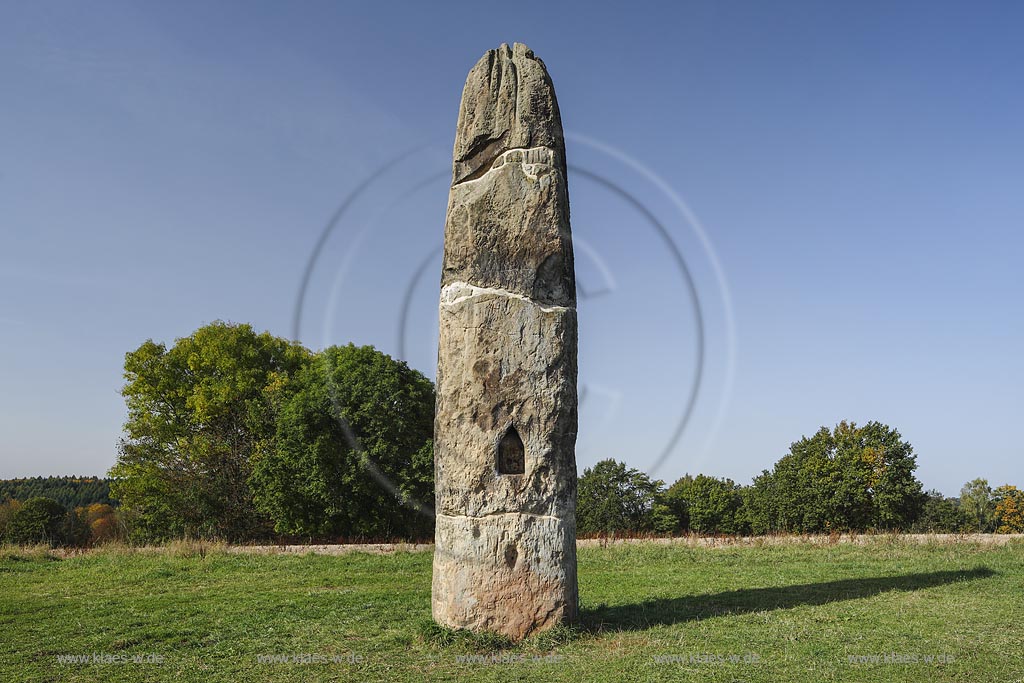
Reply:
x=667 y=611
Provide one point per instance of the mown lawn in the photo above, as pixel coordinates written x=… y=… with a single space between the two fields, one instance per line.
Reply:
x=795 y=612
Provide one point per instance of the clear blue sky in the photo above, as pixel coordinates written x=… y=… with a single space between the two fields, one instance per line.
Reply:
x=857 y=169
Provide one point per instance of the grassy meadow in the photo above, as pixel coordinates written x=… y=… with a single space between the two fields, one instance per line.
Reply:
x=887 y=610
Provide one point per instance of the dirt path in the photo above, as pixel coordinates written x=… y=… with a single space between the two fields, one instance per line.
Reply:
x=689 y=541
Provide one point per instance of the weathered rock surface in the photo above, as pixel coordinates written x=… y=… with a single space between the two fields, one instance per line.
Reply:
x=508 y=102
x=505 y=433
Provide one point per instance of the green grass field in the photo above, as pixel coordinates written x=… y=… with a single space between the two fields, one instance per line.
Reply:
x=890 y=610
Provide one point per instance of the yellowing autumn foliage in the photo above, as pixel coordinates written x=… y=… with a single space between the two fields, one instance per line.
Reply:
x=1009 y=509
x=102 y=522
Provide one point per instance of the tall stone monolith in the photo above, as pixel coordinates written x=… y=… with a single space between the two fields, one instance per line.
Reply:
x=505 y=432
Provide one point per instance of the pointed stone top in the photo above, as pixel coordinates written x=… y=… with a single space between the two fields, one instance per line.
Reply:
x=508 y=103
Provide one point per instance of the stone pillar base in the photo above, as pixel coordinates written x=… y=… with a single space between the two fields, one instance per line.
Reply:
x=507 y=573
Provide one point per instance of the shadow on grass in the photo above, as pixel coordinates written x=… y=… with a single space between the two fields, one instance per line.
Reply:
x=667 y=611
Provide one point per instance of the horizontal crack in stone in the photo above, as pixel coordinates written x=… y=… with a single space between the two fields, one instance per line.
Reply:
x=526 y=156
x=456 y=292
x=501 y=514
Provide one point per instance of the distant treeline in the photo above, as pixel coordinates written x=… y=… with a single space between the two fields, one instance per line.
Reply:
x=69 y=491
x=615 y=500
x=850 y=478
x=243 y=436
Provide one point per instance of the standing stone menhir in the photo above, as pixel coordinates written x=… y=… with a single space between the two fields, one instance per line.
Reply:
x=505 y=432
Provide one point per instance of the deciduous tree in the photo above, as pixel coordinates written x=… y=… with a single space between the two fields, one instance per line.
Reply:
x=1009 y=510
x=39 y=520
x=976 y=502
x=354 y=452
x=848 y=478
x=614 y=498
x=197 y=413
x=706 y=505
x=940 y=515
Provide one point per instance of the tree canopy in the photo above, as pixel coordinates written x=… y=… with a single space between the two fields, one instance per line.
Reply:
x=197 y=413
x=978 y=505
x=39 y=520
x=615 y=498
x=705 y=505
x=1009 y=509
x=235 y=434
x=848 y=478
x=940 y=515
x=353 y=453
x=69 y=491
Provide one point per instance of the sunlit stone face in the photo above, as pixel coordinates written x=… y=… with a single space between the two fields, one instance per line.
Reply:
x=505 y=432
